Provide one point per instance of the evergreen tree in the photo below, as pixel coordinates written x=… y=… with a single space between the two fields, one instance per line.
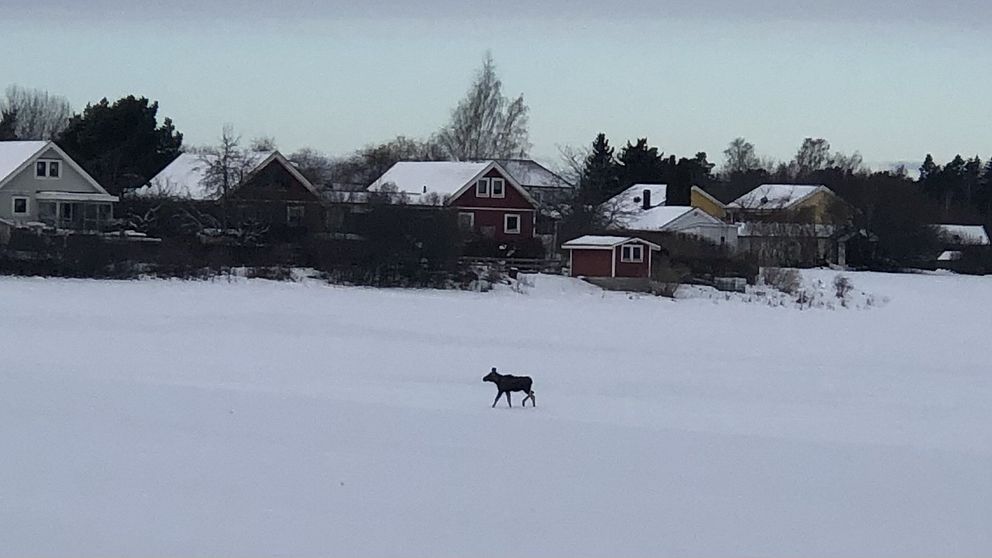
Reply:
x=642 y=164
x=8 y=124
x=121 y=144
x=600 y=177
x=983 y=193
x=972 y=176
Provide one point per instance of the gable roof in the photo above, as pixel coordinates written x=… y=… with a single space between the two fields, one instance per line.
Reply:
x=708 y=196
x=626 y=209
x=531 y=174
x=15 y=156
x=185 y=176
x=769 y=197
x=963 y=235
x=446 y=179
x=601 y=242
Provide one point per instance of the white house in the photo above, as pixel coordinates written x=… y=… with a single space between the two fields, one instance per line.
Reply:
x=642 y=208
x=40 y=183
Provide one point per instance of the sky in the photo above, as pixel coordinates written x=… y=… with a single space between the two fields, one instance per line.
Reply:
x=893 y=80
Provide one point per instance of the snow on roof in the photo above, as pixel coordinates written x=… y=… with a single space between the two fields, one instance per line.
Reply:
x=443 y=178
x=604 y=241
x=775 y=196
x=531 y=174
x=654 y=219
x=184 y=177
x=963 y=235
x=949 y=256
x=13 y=154
x=626 y=209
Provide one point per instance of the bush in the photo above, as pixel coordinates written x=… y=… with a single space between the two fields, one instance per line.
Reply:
x=786 y=280
x=843 y=286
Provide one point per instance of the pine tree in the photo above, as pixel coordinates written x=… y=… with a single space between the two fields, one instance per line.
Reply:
x=972 y=175
x=8 y=124
x=600 y=176
x=121 y=144
x=983 y=194
x=642 y=164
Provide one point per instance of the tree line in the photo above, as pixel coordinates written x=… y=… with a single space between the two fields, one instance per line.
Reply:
x=124 y=143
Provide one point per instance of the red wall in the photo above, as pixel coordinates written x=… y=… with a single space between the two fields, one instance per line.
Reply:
x=642 y=269
x=591 y=263
x=494 y=218
x=512 y=199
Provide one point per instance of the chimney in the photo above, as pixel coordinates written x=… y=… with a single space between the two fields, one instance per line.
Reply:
x=647 y=199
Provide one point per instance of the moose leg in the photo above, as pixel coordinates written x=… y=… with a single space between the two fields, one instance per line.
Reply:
x=495 y=401
x=508 y=402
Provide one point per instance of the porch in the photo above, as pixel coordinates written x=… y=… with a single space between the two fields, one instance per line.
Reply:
x=76 y=211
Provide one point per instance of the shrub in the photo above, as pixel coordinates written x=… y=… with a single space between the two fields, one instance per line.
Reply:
x=786 y=280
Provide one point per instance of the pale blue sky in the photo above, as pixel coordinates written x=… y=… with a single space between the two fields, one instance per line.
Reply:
x=891 y=79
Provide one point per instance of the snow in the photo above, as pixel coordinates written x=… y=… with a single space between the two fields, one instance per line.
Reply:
x=13 y=154
x=626 y=210
x=248 y=417
x=531 y=174
x=949 y=256
x=184 y=177
x=632 y=199
x=775 y=196
x=963 y=235
x=599 y=241
x=443 y=178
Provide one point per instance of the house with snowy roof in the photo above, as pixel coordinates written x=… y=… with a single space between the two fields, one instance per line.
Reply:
x=791 y=203
x=489 y=201
x=610 y=256
x=264 y=187
x=40 y=184
x=543 y=184
x=642 y=209
x=955 y=239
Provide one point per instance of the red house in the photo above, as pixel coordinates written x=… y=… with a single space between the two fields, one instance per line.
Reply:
x=489 y=201
x=609 y=256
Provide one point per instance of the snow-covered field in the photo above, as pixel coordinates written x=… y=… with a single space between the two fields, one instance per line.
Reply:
x=252 y=418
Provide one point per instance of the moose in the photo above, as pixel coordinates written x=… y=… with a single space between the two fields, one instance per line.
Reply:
x=506 y=383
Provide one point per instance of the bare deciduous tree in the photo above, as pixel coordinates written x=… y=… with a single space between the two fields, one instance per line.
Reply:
x=813 y=155
x=486 y=124
x=740 y=157
x=227 y=165
x=39 y=114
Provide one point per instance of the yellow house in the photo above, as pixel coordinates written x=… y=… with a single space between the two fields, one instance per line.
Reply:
x=698 y=198
x=793 y=203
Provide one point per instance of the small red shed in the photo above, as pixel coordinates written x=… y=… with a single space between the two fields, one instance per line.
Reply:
x=609 y=256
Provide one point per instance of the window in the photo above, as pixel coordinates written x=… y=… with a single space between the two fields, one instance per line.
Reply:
x=48 y=169
x=497 y=187
x=511 y=223
x=20 y=206
x=466 y=221
x=631 y=253
x=294 y=215
x=47 y=211
x=482 y=188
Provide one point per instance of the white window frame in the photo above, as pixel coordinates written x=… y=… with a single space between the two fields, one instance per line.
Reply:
x=506 y=223
x=471 y=220
x=13 y=206
x=479 y=193
x=502 y=187
x=48 y=169
x=631 y=259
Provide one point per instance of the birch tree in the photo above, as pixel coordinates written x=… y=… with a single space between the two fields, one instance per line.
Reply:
x=486 y=124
